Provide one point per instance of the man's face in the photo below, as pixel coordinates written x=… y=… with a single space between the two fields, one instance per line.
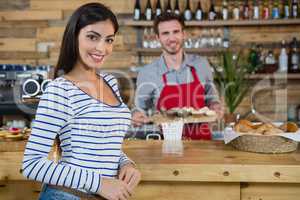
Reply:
x=171 y=36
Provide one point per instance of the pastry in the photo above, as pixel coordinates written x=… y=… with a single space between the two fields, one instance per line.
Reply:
x=289 y=127
x=264 y=128
x=240 y=127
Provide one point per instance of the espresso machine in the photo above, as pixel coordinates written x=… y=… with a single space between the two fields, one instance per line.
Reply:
x=18 y=83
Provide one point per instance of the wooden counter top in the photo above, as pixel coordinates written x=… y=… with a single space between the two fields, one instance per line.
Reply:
x=207 y=161
x=212 y=161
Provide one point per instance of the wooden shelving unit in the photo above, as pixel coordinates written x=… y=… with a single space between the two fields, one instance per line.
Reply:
x=206 y=23
x=192 y=50
x=288 y=76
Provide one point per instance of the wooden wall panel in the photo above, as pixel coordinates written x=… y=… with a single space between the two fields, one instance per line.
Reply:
x=14 y=4
x=50 y=33
x=6 y=55
x=30 y=15
x=17 y=44
x=18 y=32
x=23 y=24
x=120 y=6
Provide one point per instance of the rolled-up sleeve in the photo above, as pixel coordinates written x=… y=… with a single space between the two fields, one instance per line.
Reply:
x=144 y=90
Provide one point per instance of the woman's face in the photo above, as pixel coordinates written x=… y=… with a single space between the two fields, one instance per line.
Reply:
x=95 y=43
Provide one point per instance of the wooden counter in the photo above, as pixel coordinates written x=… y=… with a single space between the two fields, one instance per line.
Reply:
x=205 y=170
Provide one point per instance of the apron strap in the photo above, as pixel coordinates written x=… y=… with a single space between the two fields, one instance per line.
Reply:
x=194 y=74
x=164 y=78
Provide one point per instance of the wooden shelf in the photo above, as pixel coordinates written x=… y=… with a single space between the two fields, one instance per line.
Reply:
x=288 y=76
x=192 y=50
x=206 y=23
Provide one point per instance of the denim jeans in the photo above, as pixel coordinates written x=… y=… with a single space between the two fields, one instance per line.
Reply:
x=49 y=193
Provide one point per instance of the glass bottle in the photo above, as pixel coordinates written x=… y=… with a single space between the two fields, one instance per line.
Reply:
x=286 y=9
x=256 y=10
x=294 y=66
x=168 y=7
x=187 y=11
x=295 y=9
x=176 y=8
x=283 y=58
x=246 y=10
x=266 y=10
x=236 y=10
x=148 y=11
x=225 y=10
x=275 y=10
x=298 y=113
x=158 y=9
x=226 y=40
x=212 y=15
x=199 y=12
x=137 y=10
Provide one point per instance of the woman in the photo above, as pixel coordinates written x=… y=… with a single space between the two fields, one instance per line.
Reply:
x=83 y=110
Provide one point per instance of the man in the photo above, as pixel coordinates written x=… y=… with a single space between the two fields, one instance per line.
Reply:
x=176 y=79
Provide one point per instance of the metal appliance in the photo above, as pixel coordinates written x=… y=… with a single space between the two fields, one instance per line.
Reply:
x=19 y=82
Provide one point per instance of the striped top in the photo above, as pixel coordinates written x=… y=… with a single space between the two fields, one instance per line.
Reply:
x=91 y=133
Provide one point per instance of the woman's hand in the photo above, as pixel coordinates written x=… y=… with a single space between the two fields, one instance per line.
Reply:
x=114 y=189
x=139 y=118
x=130 y=175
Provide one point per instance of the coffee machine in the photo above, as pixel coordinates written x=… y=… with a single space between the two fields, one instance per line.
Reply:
x=19 y=83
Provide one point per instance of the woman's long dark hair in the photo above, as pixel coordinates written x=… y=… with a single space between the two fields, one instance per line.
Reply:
x=85 y=15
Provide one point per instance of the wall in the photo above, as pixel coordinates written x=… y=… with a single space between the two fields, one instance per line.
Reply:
x=31 y=31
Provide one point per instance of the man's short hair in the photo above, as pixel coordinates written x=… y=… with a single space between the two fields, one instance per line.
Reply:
x=167 y=16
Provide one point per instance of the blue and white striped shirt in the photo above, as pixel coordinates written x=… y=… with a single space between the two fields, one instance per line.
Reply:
x=90 y=133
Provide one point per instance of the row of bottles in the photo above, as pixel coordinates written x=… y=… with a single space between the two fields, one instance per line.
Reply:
x=207 y=38
x=288 y=59
x=237 y=10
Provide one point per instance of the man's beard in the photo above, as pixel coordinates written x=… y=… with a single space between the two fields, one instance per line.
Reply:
x=173 y=51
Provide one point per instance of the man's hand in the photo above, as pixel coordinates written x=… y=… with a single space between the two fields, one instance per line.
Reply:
x=139 y=118
x=218 y=108
x=130 y=175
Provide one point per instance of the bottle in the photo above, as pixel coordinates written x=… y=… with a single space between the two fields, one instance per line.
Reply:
x=253 y=58
x=187 y=12
x=256 y=10
x=246 y=10
x=292 y=113
x=137 y=10
x=148 y=11
x=266 y=10
x=199 y=12
x=270 y=59
x=236 y=11
x=286 y=9
x=146 y=37
x=176 y=8
x=226 y=41
x=212 y=15
x=283 y=58
x=294 y=9
x=294 y=66
x=275 y=10
x=298 y=113
x=158 y=9
x=225 y=10
x=168 y=7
